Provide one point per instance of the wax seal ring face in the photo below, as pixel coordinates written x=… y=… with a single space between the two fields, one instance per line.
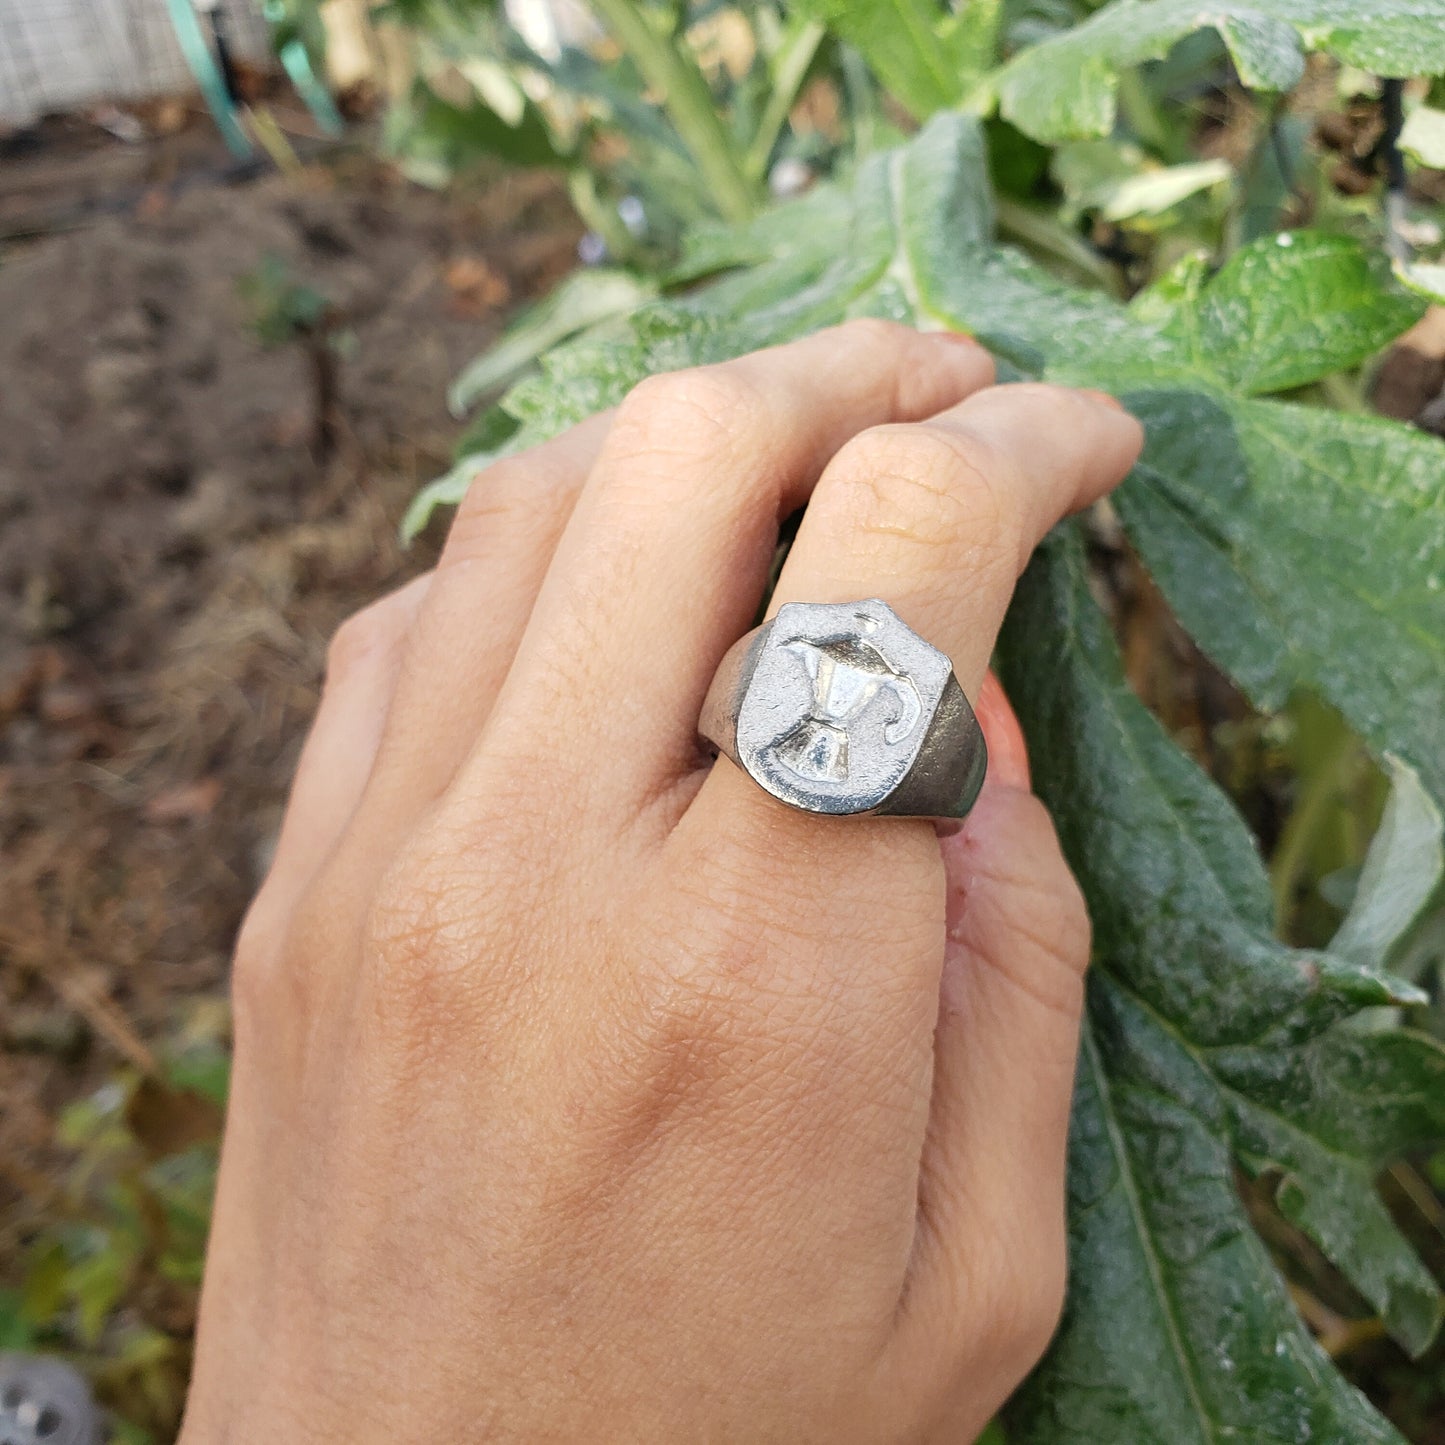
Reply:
x=841 y=708
x=837 y=699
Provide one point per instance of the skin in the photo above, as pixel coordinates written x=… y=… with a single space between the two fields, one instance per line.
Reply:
x=581 y=1090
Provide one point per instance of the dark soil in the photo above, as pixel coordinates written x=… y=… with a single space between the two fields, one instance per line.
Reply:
x=173 y=559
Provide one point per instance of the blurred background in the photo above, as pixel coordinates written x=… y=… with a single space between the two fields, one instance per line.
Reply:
x=256 y=257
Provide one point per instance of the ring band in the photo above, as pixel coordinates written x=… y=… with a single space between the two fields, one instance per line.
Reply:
x=841 y=708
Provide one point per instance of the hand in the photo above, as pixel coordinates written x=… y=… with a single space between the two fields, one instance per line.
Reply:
x=582 y=1091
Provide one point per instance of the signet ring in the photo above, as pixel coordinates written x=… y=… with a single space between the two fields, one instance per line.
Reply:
x=841 y=708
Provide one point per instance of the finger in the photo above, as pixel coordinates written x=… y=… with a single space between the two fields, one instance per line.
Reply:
x=1008 y=754
x=467 y=631
x=666 y=556
x=938 y=520
x=362 y=665
x=991 y=1191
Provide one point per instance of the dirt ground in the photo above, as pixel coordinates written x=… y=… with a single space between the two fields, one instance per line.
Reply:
x=173 y=556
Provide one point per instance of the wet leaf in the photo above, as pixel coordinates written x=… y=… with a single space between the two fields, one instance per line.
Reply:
x=1065 y=87
x=1208 y=1044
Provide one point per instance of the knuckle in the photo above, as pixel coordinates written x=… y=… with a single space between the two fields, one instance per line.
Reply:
x=495 y=495
x=1028 y=1314
x=410 y=926
x=254 y=967
x=921 y=483
x=361 y=637
x=282 y=950
x=442 y=938
x=1037 y=399
x=677 y=1040
x=688 y=412
x=992 y=486
x=756 y=981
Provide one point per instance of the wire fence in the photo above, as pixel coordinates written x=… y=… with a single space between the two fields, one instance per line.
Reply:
x=56 y=55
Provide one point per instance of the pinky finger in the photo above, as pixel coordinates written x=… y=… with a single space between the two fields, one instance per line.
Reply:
x=362 y=666
x=991 y=1233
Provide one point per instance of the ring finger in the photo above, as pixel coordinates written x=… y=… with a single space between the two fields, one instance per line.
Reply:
x=938 y=519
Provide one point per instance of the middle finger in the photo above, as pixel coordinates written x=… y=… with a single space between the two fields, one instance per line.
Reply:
x=666 y=554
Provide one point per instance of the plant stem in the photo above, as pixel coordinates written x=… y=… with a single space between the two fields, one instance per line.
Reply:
x=794 y=57
x=862 y=100
x=1419 y=1193
x=1392 y=103
x=1040 y=232
x=598 y=214
x=688 y=102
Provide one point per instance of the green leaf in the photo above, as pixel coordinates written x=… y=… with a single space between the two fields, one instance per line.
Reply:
x=972 y=36
x=437 y=138
x=1207 y=1042
x=1299 y=545
x=1302 y=547
x=1065 y=87
x=582 y=300
x=96 y=1284
x=1424 y=280
x=1289 y=309
x=1153 y=192
x=16 y=1331
x=925 y=57
x=1402 y=870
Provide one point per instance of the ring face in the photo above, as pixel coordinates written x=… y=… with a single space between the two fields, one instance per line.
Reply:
x=838 y=702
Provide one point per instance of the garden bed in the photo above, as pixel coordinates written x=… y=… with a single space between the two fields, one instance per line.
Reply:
x=173 y=560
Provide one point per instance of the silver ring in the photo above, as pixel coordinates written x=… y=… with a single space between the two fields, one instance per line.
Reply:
x=842 y=708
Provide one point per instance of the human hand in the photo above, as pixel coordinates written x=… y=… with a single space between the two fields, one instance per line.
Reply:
x=584 y=1092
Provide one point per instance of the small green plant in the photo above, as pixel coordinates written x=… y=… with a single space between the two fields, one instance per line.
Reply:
x=1056 y=201
x=284 y=311
x=113 y=1276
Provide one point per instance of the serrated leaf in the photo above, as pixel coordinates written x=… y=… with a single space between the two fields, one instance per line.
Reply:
x=1178 y=1077
x=1289 y=309
x=1064 y=88
x=1210 y=1045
